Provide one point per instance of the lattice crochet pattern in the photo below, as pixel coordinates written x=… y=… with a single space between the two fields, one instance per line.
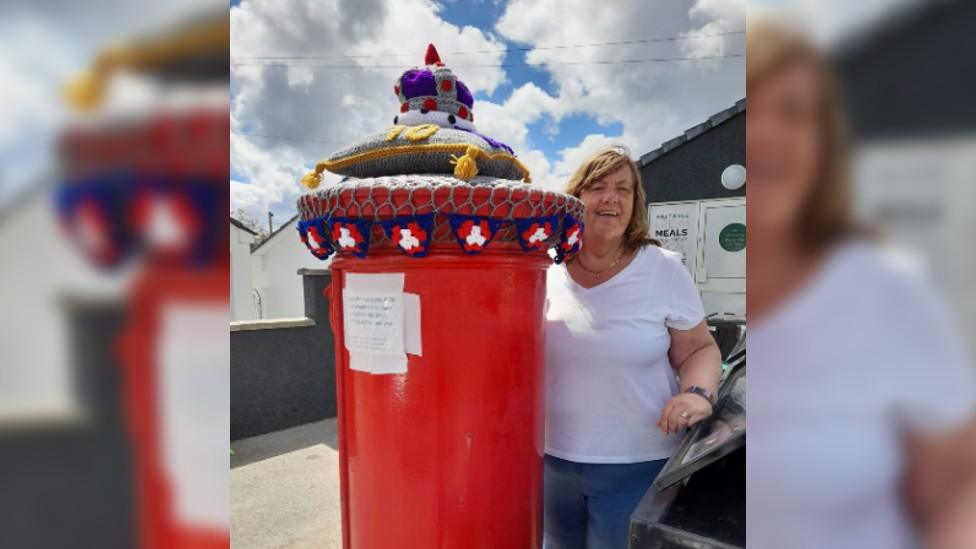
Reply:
x=381 y=198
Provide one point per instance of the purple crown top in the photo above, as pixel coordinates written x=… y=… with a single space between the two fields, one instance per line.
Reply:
x=422 y=82
x=433 y=91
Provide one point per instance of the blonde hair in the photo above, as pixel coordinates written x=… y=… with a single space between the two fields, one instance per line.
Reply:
x=772 y=46
x=597 y=167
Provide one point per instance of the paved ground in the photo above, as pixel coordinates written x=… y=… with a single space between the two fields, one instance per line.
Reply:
x=284 y=489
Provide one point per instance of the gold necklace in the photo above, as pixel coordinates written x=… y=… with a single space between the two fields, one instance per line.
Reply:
x=598 y=274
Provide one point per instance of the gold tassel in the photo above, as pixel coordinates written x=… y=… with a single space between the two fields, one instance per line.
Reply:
x=465 y=167
x=312 y=179
x=85 y=92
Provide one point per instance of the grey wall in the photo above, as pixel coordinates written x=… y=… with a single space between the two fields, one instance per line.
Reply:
x=284 y=377
x=693 y=170
x=71 y=484
x=912 y=76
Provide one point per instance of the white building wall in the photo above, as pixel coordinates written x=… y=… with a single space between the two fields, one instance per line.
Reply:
x=40 y=274
x=275 y=275
x=241 y=302
x=920 y=195
x=693 y=228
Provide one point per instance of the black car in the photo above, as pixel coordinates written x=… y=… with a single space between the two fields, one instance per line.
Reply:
x=699 y=498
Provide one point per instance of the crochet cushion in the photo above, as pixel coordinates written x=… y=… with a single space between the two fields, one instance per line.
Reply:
x=426 y=149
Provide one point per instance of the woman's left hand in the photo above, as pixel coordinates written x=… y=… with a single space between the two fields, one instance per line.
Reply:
x=683 y=410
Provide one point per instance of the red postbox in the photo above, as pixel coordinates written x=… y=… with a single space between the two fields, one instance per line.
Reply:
x=438 y=297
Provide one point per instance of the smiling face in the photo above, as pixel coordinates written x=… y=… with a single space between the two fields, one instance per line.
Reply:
x=783 y=147
x=609 y=204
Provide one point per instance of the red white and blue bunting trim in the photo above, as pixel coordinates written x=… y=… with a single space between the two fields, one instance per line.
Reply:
x=313 y=234
x=473 y=233
x=534 y=233
x=413 y=235
x=350 y=235
x=112 y=217
x=570 y=240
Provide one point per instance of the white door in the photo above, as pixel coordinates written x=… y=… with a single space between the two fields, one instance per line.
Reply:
x=724 y=243
x=721 y=273
x=710 y=234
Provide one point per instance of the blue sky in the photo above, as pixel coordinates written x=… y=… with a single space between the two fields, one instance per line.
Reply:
x=570 y=130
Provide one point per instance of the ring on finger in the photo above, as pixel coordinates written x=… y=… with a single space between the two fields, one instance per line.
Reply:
x=684 y=415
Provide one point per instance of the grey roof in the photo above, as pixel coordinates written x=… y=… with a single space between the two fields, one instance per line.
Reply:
x=241 y=226
x=22 y=196
x=275 y=233
x=691 y=133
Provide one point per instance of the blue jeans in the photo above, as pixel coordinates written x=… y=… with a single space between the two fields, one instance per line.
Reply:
x=588 y=505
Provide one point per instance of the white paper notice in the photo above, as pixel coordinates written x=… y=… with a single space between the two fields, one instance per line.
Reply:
x=380 y=323
x=194 y=404
x=411 y=311
x=373 y=322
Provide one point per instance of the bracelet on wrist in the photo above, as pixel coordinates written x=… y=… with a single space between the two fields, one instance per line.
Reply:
x=702 y=392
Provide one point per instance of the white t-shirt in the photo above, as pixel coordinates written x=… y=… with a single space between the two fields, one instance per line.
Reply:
x=864 y=353
x=608 y=375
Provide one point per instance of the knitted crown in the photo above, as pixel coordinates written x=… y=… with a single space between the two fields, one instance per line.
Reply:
x=434 y=133
x=434 y=88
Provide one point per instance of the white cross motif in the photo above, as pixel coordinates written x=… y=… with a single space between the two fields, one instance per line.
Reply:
x=573 y=237
x=539 y=235
x=313 y=239
x=407 y=240
x=164 y=228
x=475 y=237
x=345 y=239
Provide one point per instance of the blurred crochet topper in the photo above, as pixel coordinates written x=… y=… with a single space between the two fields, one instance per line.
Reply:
x=118 y=371
x=143 y=163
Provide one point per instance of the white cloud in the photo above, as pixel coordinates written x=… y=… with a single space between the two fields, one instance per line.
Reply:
x=572 y=157
x=718 y=17
x=329 y=107
x=27 y=97
x=251 y=198
x=830 y=22
x=30 y=106
x=45 y=43
x=272 y=177
x=654 y=101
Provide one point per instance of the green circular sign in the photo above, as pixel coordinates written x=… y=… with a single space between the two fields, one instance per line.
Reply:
x=732 y=238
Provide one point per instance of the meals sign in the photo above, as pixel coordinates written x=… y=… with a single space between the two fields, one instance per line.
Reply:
x=676 y=227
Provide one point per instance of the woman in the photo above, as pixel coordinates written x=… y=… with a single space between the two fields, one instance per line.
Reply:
x=860 y=397
x=623 y=317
